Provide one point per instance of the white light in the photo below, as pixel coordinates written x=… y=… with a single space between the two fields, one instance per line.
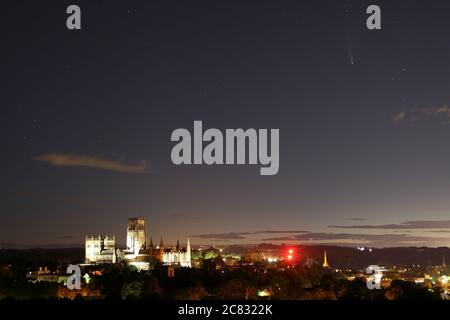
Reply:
x=263 y=293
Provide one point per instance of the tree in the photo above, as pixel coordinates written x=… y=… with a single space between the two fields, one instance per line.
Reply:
x=191 y=293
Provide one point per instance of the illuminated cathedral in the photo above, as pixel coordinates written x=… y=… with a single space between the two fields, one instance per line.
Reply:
x=138 y=253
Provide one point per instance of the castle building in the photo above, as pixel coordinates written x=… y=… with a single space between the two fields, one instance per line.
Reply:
x=100 y=249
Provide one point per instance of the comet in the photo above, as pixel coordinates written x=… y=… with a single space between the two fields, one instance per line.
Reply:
x=350 y=53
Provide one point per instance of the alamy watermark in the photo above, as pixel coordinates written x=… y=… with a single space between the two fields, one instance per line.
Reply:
x=73 y=21
x=74 y=280
x=227 y=148
x=375 y=273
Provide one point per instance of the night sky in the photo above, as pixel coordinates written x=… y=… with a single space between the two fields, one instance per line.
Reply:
x=364 y=119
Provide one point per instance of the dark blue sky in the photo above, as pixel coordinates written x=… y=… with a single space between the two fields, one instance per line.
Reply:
x=360 y=144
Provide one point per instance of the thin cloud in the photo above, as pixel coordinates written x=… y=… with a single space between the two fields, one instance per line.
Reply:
x=357 y=219
x=91 y=161
x=376 y=240
x=415 y=224
x=413 y=114
x=392 y=239
x=221 y=236
x=398 y=117
x=346 y=236
x=245 y=234
x=279 y=231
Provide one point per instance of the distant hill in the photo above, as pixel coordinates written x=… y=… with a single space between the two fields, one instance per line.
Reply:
x=340 y=257
x=351 y=257
x=7 y=245
x=41 y=256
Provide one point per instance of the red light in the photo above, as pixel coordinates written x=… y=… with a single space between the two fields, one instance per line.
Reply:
x=291 y=256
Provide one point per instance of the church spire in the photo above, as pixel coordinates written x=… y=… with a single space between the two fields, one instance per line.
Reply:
x=188 y=253
x=325 y=261
x=151 y=243
x=161 y=250
x=178 y=244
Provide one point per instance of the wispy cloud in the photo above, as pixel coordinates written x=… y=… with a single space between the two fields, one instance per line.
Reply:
x=413 y=114
x=378 y=240
x=221 y=236
x=398 y=117
x=279 y=231
x=91 y=161
x=245 y=235
x=306 y=237
x=357 y=219
x=415 y=224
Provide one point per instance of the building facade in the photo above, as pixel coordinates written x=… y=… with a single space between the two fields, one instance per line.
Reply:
x=177 y=256
x=136 y=235
x=100 y=249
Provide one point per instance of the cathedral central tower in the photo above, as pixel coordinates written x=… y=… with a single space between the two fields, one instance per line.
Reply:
x=136 y=234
